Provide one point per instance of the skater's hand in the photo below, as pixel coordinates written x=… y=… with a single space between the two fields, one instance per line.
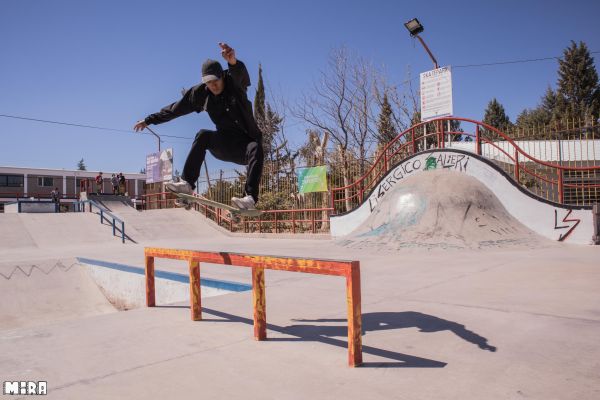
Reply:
x=228 y=53
x=140 y=126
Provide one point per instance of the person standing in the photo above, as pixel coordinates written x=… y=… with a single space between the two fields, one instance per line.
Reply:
x=99 y=180
x=122 y=183
x=237 y=138
x=115 y=184
x=55 y=195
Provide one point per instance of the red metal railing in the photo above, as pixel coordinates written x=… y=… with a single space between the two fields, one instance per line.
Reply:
x=347 y=269
x=272 y=221
x=521 y=165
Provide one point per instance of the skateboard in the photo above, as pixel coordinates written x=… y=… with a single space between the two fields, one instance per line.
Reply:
x=189 y=199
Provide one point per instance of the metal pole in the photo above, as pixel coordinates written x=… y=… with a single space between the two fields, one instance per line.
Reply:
x=596 y=212
x=435 y=63
x=157 y=137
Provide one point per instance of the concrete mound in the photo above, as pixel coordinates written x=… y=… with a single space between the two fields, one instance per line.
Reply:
x=441 y=209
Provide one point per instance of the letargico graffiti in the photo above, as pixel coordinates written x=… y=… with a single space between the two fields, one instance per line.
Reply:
x=427 y=161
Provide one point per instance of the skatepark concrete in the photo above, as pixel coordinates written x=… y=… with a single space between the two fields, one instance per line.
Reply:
x=506 y=322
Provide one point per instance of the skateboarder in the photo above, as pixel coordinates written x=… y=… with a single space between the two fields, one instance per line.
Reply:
x=222 y=94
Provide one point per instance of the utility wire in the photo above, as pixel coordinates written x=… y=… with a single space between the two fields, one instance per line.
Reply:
x=87 y=126
x=496 y=63
x=512 y=62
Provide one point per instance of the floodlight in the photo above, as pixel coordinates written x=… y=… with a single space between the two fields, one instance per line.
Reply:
x=414 y=27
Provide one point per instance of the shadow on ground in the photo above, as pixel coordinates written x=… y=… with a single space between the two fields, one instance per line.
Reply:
x=371 y=322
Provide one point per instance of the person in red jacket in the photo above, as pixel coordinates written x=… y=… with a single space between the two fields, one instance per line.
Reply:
x=99 y=180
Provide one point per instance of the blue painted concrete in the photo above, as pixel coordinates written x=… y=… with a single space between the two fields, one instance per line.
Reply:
x=173 y=276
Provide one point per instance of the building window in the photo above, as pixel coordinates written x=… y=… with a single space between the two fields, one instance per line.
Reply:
x=45 y=181
x=11 y=180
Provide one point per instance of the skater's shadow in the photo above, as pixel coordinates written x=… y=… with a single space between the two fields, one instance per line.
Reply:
x=380 y=321
x=328 y=334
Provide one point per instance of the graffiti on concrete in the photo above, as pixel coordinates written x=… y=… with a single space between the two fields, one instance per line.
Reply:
x=425 y=162
x=571 y=224
x=448 y=161
x=430 y=163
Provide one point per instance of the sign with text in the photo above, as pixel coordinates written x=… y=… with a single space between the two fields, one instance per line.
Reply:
x=159 y=166
x=436 y=93
x=312 y=179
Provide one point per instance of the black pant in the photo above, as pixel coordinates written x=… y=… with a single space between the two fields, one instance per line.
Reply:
x=226 y=146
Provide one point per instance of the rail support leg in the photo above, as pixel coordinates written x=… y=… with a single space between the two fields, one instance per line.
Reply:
x=259 y=302
x=354 y=316
x=195 y=300
x=150 y=298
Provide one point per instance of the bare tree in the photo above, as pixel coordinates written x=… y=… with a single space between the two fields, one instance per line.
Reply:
x=403 y=98
x=341 y=104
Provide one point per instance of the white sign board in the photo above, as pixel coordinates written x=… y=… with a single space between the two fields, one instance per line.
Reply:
x=159 y=166
x=436 y=93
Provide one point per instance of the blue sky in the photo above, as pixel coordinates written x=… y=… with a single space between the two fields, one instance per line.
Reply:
x=109 y=63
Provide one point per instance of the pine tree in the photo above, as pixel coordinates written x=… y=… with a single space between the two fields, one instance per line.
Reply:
x=549 y=101
x=259 y=99
x=496 y=116
x=385 y=127
x=533 y=118
x=578 y=93
x=540 y=117
x=81 y=165
x=268 y=121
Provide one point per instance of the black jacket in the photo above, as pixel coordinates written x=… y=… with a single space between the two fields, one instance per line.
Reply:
x=199 y=98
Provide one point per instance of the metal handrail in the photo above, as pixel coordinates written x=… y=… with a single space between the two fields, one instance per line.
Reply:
x=80 y=207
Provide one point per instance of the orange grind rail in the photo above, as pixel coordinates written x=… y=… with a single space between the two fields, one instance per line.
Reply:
x=348 y=269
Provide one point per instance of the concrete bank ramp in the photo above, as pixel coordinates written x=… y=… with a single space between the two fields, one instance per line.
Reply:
x=52 y=230
x=171 y=223
x=441 y=209
x=34 y=293
x=115 y=204
x=13 y=233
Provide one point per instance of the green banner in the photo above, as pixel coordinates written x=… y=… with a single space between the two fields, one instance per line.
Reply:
x=312 y=179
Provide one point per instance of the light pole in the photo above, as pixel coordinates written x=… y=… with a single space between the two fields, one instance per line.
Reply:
x=415 y=27
x=157 y=137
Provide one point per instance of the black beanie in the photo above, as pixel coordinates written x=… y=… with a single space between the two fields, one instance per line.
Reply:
x=211 y=70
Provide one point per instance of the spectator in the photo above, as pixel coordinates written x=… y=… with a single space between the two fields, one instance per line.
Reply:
x=99 y=188
x=122 y=183
x=115 y=184
x=55 y=196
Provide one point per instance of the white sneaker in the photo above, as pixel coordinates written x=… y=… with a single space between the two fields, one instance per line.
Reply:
x=179 y=187
x=244 y=203
x=182 y=203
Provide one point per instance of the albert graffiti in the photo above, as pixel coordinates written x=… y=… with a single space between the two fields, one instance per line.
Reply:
x=424 y=162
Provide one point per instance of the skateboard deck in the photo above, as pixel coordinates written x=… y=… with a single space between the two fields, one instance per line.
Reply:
x=233 y=210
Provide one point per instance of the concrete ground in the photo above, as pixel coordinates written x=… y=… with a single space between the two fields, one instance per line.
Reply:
x=507 y=323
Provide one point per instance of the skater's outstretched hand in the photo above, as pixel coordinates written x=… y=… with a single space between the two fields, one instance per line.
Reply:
x=140 y=126
x=228 y=53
